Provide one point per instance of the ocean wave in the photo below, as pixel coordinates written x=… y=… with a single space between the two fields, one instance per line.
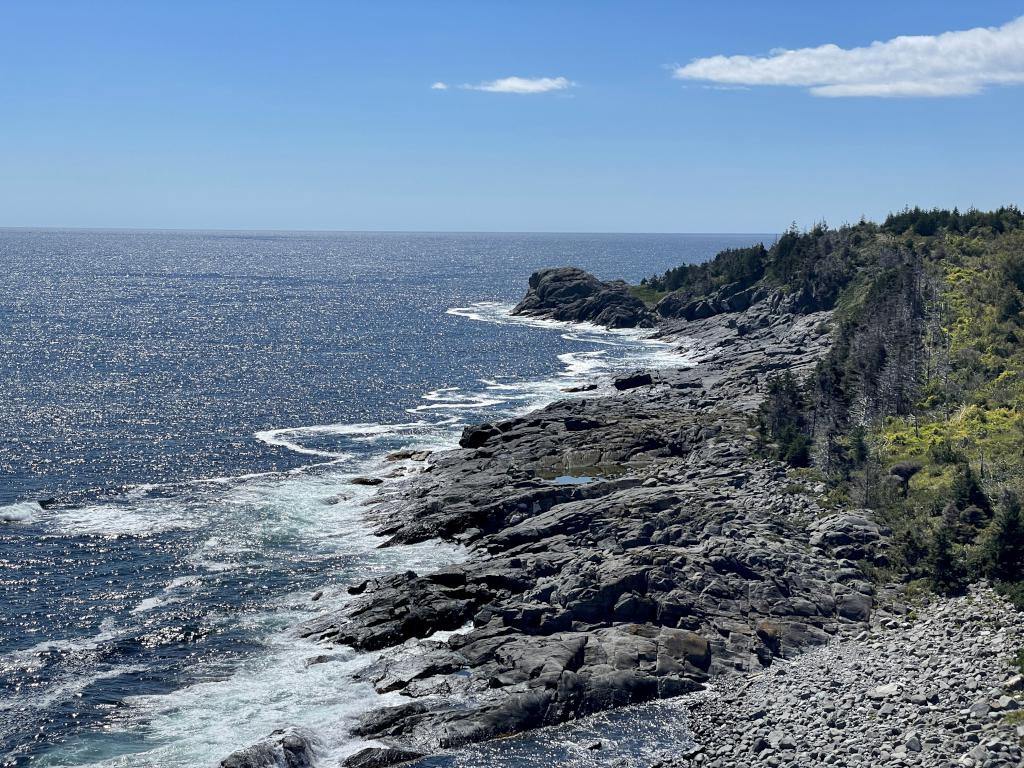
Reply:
x=500 y=313
x=291 y=681
x=124 y=519
x=280 y=438
x=69 y=688
x=167 y=595
x=466 y=403
x=202 y=723
x=19 y=512
x=424 y=432
x=33 y=658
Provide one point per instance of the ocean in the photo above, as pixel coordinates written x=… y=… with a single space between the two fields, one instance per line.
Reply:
x=190 y=408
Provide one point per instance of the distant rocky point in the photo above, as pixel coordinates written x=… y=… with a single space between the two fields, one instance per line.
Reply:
x=572 y=295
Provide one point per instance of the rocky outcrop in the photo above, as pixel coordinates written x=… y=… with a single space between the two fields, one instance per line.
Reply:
x=852 y=536
x=291 y=748
x=376 y=757
x=570 y=294
x=736 y=298
x=633 y=380
x=677 y=557
x=729 y=298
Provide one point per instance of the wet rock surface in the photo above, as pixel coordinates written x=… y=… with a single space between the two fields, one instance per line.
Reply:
x=286 y=748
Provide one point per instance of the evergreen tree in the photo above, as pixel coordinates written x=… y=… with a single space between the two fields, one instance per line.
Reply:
x=781 y=422
x=946 y=573
x=967 y=490
x=1004 y=550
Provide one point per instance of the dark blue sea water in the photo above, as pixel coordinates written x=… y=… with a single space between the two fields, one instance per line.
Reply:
x=191 y=406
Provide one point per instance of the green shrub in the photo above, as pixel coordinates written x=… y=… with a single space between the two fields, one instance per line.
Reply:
x=1014 y=592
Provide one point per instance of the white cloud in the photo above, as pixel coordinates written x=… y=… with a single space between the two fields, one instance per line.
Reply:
x=522 y=85
x=439 y=86
x=950 y=64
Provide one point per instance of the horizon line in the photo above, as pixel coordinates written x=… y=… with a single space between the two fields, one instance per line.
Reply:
x=231 y=230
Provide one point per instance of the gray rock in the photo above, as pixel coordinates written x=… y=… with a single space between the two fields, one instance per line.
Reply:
x=378 y=757
x=570 y=294
x=633 y=381
x=287 y=748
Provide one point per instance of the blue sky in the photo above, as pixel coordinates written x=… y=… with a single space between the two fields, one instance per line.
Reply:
x=321 y=115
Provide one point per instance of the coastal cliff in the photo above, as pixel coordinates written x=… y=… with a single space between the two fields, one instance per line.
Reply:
x=705 y=523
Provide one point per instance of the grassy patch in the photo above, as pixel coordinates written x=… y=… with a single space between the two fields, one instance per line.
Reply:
x=647 y=294
x=991 y=439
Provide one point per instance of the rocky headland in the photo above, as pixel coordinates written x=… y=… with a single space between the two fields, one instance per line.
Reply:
x=635 y=542
x=572 y=295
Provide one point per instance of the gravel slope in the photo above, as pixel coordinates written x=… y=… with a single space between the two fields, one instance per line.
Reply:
x=932 y=690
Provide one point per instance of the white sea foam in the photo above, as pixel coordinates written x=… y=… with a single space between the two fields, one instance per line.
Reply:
x=155 y=602
x=500 y=313
x=423 y=433
x=579 y=364
x=203 y=723
x=449 y=407
x=282 y=439
x=140 y=519
x=19 y=512
x=619 y=349
x=462 y=404
x=200 y=724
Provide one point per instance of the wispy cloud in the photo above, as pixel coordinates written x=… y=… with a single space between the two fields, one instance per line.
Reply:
x=950 y=64
x=521 y=85
x=439 y=86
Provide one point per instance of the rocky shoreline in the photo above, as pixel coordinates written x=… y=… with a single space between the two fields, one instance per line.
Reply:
x=625 y=545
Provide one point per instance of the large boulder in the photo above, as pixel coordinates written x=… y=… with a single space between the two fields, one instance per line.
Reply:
x=572 y=295
x=729 y=298
x=288 y=748
x=476 y=435
x=633 y=380
x=851 y=536
x=677 y=305
x=535 y=681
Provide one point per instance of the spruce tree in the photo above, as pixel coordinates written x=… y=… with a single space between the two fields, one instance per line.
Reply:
x=1004 y=551
x=946 y=573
